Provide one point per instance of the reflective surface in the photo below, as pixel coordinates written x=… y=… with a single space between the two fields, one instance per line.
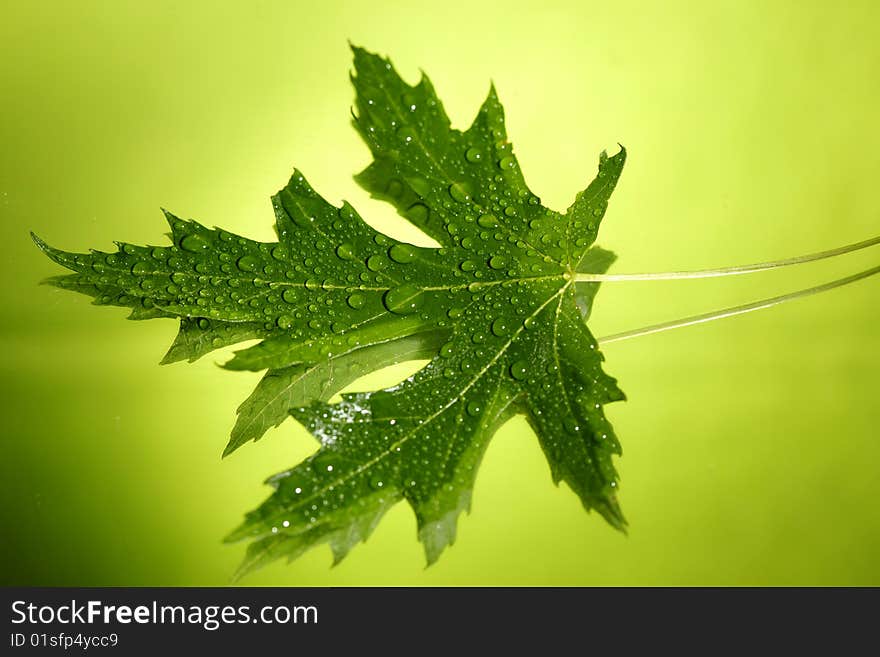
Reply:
x=750 y=451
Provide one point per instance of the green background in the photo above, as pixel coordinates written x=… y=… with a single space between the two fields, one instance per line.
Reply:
x=751 y=445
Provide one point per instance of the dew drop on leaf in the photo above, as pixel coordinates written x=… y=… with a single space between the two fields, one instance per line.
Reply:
x=487 y=221
x=459 y=193
x=500 y=327
x=519 y=370
x=404 y=299
x=498 y=262
x=406 y=135
x=345 y=251
x=193 y=243
x=417 y=213
x=402 y=253
x=394 y=188
x=376 y=262
x=356 y=300
x=473 y=155
x=247 y=263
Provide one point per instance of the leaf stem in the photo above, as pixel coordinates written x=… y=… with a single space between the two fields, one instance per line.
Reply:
x=727 y=271
x=738 y=310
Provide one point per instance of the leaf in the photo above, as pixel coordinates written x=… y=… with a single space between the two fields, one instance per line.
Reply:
x=495 y=310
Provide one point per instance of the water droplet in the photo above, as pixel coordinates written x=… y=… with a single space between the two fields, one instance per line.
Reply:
x=498 y=262
x=473 y=408
x=597 y=212
x=459 y=193
x=289 y=295
x=406 y=135
x=193 y=243
x=410 y=100
x=345 y=251
x=284 y=322
x=529 y=323
x=203 y=324
x=404 y=300
x=376 y=482
x=417 y=213
x=500 y=327
x=356 y=301
x=376 y=262
x=487 y=221
x=394 y=188
x=402 y=253
x=508 y=162
x=140 y=268
x=473 y=155
x=468 y=265
x=519 y=370
x=447 y=350
x=248 y=263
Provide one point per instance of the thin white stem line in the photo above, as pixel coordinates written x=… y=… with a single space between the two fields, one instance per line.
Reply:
x=738 y=310
x=727 y=271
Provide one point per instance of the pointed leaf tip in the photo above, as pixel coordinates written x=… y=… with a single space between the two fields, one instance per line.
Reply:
x=39 y=242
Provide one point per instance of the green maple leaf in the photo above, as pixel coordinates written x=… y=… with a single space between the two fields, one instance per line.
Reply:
x=495 y=309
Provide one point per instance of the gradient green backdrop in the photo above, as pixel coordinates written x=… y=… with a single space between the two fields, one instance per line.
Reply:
x=751 y=445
